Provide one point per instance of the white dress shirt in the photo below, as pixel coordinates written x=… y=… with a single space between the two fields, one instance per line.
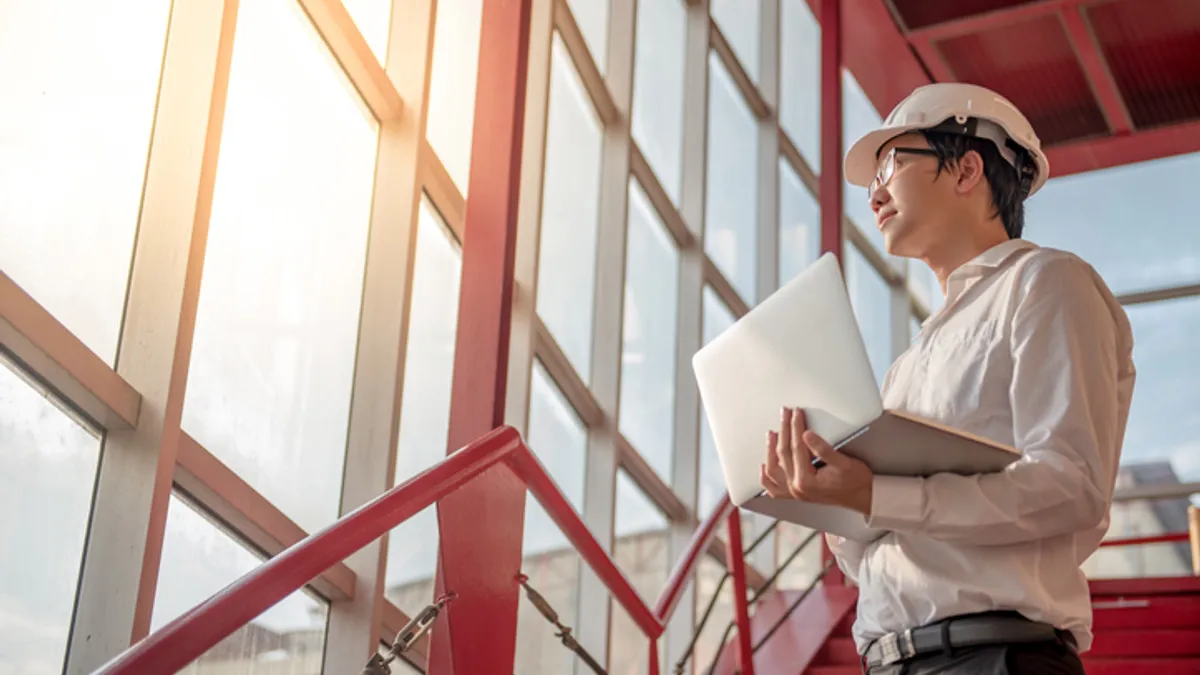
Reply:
x=1031 y=350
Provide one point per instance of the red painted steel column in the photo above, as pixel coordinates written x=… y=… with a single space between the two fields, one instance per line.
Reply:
x=737 y=569
x=481 y=524
x=831 y=161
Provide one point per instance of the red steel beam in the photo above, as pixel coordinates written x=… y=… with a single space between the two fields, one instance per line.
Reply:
x=932 y=57
x=1110 y=151
x=481 y=526
x=985 y=21
x=1167 y=538
x=1099 y=75
x=736 y=563
x=831 y=127
x=183 y=640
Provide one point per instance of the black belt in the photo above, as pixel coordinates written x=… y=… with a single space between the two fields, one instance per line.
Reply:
x=974 y=630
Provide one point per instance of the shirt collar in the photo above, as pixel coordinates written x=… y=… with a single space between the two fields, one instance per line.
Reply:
x=962 y=278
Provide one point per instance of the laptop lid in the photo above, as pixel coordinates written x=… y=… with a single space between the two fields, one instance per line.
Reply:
x=800 y=347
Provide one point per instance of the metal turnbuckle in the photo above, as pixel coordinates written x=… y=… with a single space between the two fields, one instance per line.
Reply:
x=418 y=626
x=564 y=632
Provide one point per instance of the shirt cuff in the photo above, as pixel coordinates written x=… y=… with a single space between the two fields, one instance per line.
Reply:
x=897 y=503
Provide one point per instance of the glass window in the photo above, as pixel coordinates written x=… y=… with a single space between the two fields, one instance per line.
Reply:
x=658 y=73
x=800 y=79
x=425 y=404
x=47 y=473
x=806 y=564
x=374 y=19
x=647 y=401
x=1143 y=518
x=273 y=359
x=559 y=438
x=858 y=118
x=731 y=198
x=872 y=300
x=1096 y=214
x=199 y=559
x=716 y=319
x=641 y=552
x=570 y=211
x=592 y=17
x=1163 y=425
x=740 y=22
x=924 y=284
x=450 y=121
x=71 y=183
x=708 y=576
x=799 y=224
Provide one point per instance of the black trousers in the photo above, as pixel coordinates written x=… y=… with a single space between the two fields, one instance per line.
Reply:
x=1036 y=658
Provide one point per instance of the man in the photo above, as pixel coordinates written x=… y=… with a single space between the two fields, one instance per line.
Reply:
x=978 y=574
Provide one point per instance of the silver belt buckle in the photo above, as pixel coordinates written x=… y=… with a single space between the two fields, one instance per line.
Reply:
x=895 y=647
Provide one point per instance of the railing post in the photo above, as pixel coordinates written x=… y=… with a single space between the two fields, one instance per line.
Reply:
x=831 y=164
x=1194 y=535
x=737 y=569
x=482 y=524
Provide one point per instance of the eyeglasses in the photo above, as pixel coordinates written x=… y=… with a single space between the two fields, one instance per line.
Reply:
x=887 y=165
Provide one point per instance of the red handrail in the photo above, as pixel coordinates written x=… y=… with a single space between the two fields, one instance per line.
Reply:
x=1152 y=539
x=181 y=641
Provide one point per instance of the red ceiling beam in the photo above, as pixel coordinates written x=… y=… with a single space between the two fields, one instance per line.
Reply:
x=875 y=51
x=1110 y=151
x=932 y=56
x=1100 y=77
x=985 y=21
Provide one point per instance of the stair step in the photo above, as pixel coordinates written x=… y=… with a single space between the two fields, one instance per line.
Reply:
x=1140 y=666
x=1145 y=613
x=837 y=651
x=1161 y=642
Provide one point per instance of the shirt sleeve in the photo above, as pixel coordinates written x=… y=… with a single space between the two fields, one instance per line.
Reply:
x=1069 y=359
x=847 y=553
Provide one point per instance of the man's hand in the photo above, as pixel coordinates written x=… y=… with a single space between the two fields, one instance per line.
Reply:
x=789 y=472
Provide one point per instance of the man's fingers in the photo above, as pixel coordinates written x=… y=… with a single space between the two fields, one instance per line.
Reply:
x=801 y=454
x=822 y=449
x=772 y=467
x=783 y=443
x=771 y=486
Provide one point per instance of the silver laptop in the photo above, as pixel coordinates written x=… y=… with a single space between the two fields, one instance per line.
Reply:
x=801 y=347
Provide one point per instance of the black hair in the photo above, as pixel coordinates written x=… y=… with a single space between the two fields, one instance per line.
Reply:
x=1007 y=188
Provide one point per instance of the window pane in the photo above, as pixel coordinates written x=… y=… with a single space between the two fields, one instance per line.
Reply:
x=925 y=285
x=860 y=117
x=451 y=118
x=373 y=18
x=799 y=224
x=425 y=405
x=716 y=319
x=658 y=72
x=199 y=559
x=800 y=79
x=1095 y=215
x=640 y=551
x=559 y=439
x=739 y=21
x=71 y=183
x=647 y=414
x=47 y=473
x=592 y=17
x=806 y=564
x=273 y=359
x=570 y=210
x=1163 y=424
x=1144 y=518
x=872 y=300
x=708 y=575
x=731 y=199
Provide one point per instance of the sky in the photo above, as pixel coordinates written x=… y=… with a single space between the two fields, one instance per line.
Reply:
x=271 y=369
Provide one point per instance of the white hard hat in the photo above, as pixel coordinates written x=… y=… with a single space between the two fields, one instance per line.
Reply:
x=964 y=108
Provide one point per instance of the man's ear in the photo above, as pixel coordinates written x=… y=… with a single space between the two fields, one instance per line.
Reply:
x=970 y=171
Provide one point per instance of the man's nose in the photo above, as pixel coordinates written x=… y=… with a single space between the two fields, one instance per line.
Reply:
x=879 y=198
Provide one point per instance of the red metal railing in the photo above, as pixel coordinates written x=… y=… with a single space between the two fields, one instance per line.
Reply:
x=183 y=640
x=1151 y=539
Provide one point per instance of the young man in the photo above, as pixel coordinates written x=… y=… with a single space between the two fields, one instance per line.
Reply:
x=978 y=574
